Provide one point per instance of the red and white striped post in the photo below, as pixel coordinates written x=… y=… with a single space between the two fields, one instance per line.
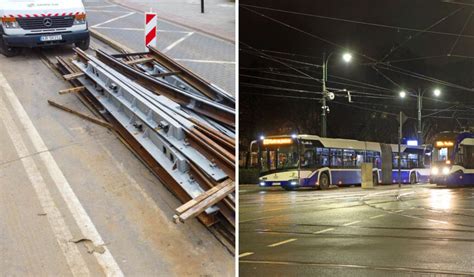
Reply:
x=151 y=23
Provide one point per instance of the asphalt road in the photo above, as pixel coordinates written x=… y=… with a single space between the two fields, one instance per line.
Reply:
x=66 y=183
x=419 y=230
x=208 y=56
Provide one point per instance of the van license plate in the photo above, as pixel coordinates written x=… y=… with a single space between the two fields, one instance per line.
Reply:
x=276 y=184
x=51 y=38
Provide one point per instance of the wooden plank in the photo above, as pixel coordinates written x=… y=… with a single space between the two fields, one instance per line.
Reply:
x=84 y=116
x=206 y=203
x=71 y=90
x=72 y=76
x=141 y=60
x=201 y=197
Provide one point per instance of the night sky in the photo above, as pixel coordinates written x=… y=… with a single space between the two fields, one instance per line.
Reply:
x=431 y=42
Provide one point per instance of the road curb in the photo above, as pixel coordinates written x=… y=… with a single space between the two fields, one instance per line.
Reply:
x=178 y=23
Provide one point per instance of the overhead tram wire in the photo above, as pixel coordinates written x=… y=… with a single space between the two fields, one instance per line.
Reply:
x=420 y=33
x=460 y=33
x=280 y=62
x=342 y=78
x=281 y=96
x=279 y=88
x=396 y=28
x=367 y=85
x=334 y=44
x=287 y=60
x=290 y=54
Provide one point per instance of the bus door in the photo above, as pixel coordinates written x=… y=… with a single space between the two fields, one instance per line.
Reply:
x=386 y=163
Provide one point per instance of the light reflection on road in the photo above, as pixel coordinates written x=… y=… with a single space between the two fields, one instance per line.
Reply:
x=440 y=199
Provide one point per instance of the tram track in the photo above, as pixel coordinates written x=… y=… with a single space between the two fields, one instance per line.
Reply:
x=360 y=267
x=330 y=235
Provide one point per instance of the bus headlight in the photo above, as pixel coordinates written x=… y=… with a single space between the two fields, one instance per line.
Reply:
x=262 y=184
x=446 y=170
x=435 y=171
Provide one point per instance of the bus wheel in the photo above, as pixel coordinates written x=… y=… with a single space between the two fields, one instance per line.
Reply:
x=413 y=178
x=324 y=181
x=375 y=179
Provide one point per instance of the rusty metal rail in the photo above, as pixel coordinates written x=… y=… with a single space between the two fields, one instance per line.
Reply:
x=186 y=97
x=190 y=152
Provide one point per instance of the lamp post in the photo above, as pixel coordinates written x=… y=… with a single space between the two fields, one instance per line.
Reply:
x=347 y=57
x=419 y=96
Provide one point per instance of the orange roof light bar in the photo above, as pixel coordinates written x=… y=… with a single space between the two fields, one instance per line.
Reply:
x=444 y=144
x=277 y=141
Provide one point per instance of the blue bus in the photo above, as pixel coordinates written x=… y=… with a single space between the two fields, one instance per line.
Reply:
x=453 y=159
x=311 y=161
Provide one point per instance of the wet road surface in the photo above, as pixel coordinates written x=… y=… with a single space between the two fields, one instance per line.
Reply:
x=419 y=230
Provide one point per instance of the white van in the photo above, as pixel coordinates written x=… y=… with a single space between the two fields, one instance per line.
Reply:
x=38 y=23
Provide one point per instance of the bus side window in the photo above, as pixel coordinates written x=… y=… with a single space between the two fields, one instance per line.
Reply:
x=322 y=157
x=360 y=158
x=377 y=161
x=369 y=158
x=336 y=157
x=349 y=159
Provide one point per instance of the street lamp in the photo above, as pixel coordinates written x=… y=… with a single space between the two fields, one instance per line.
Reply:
x=419 y=95
x=346 y=57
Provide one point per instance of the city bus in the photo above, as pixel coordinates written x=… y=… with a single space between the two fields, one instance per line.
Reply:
x=311 y=161
x=453 y=159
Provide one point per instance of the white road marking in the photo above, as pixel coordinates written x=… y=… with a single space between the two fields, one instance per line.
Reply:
x=113 y=19
x=324 y=231
x=438 y=221
x=351 y=223
x=204 y=61
x=103 y=11
x=59 y=227
x=404 y=194
x=246 y=254
x=139 y=29
x=174 y=44
x=281 y=242
x=88 y=229
x=377 y=216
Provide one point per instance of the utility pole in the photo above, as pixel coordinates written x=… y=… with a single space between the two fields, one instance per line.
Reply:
x=400 y=150
x=323 y=101
x=202 y=6
x=420 y=131
x=347 y=57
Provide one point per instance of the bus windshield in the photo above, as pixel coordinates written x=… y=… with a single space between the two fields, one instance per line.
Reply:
x=279 y=157
x=442 y=154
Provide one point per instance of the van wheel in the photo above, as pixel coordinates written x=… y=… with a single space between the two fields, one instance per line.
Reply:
x=83 y=45
x=413 y=178
x=375 y=179
x=324 y=181
x=8 y=51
